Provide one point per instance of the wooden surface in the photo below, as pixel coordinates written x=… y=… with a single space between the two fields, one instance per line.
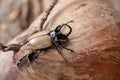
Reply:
x=95 y=39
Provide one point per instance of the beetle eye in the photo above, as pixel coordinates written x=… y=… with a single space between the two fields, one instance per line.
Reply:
x=53 y=34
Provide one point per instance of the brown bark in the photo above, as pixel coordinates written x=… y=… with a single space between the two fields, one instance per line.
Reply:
x=95 y=39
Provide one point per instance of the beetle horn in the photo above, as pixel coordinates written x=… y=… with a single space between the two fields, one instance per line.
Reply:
x=69 y=28
x=69 y=22
x=58 y=28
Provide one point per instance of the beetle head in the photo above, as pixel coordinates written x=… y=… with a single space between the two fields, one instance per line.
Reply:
x=57 y=35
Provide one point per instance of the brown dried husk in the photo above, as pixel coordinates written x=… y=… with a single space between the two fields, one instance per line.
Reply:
x=95 y=39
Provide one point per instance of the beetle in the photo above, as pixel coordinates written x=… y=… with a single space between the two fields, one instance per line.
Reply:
x=46 y=38
x=39 y=41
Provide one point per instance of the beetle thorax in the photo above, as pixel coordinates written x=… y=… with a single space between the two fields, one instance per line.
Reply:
x=58 y=36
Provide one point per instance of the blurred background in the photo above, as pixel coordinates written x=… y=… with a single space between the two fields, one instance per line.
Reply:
x=17 y=15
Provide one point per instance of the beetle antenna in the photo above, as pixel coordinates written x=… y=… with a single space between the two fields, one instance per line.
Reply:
x=69 y=28
x=69 y=22
x=47 y=12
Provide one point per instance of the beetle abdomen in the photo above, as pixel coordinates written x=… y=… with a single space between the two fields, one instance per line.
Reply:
x=40 y=40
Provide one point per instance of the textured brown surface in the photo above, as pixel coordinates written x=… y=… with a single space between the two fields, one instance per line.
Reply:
x=95 y=39
x=15 y=16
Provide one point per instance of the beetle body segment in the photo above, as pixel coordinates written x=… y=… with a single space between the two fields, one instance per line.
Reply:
x=40 y=40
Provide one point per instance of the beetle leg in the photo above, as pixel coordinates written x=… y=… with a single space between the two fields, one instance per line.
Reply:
x=62 y=46
x=60 y=52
